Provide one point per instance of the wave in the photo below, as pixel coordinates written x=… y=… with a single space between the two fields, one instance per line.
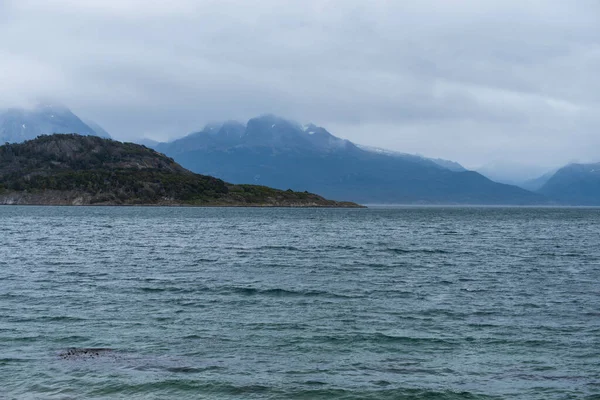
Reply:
x=562 y=254
x=380 y=338
x=385 y=394
x=205 y=260
x=10 y=360
x=191 y=370
x=45 y=318
x=287 y=248
x=245 y=249
x=153 y=289
x=246 y=291
x=342 y=247
x=71 y=339
x=473 y=290
x=278 y=292
x=397 y=250
x=305 y=390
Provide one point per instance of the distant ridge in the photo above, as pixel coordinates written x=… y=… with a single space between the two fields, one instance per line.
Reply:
x=280 y=153
x=575 y=184
x=536 y=184
x=20 y=124
x=451 y=165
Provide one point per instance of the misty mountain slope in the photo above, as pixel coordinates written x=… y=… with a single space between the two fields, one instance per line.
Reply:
x=213 y=136
x=525 y=175
x=575 y=184
x=536 y=184
x=100 y=131
x=275 y=152
x=451 y=165
x=19 y=124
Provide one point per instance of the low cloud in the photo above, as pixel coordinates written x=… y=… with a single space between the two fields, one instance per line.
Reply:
x=468 y=80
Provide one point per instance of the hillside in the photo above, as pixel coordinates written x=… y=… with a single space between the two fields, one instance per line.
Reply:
x=66 y=169
x=575 y=184
x=275 y=152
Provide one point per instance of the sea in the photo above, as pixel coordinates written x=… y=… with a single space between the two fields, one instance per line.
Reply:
x=273 y=303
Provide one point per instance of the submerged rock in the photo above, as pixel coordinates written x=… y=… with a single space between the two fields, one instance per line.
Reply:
x=85 y=353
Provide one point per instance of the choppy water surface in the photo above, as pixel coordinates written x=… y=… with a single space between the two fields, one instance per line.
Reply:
x=448 y=303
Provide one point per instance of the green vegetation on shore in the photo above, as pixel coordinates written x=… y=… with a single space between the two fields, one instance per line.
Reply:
x=73 y=169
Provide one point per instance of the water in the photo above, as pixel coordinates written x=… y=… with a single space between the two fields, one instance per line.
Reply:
x=405 y=303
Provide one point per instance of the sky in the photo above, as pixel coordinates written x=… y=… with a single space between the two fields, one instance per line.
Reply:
x=481 y=82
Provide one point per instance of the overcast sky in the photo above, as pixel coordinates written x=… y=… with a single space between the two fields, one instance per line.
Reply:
x=470 y=80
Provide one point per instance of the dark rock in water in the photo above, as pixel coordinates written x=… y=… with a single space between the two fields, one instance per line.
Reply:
x=85 y=353
x=93 y=357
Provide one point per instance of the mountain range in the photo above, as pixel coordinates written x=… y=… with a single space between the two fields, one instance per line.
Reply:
x=269 y=150
x=573 y=184
x=20 y=124
x=273 y=151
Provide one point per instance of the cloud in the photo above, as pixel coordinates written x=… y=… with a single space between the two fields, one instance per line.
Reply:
x=462 y=79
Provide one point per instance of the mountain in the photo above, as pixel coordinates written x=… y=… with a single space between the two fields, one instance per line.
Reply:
x=575 y=184
x=267 y=132
x=73 y=170
x=100 y=131
x=536 y=184
x=451 y=165
x=148 y=142
x=523 y=175
x=276 y=152
x=20 y=124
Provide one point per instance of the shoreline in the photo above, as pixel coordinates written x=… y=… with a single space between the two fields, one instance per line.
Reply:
x=186 y=205
x=83 y=200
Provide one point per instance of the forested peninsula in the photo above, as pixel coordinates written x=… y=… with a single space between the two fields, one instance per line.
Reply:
x=69 y=169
